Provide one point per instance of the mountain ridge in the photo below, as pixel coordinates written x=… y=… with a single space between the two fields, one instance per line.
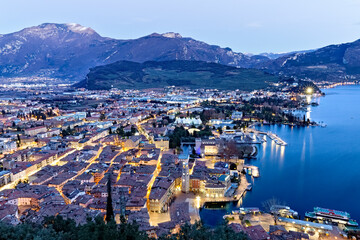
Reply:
x=336 y=62
x=67 y=51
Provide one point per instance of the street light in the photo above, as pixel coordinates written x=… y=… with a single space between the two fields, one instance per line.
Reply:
x=198 y=200
x=309 y=90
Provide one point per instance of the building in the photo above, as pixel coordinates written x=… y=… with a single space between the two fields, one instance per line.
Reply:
x=132 y=142
x=236 y=116
x=215 y=190
x=161 y=194
x=35 y=130
x=225 y=179
x=7 y=146
x=208 y=147
x=162 y=143
x=185 y=178
x=5 y=178
x=188 y=121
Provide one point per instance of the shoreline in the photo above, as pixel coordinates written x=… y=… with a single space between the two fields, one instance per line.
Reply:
x=333 y=85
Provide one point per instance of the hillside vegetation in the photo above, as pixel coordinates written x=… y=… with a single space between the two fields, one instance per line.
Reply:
x=193 y=74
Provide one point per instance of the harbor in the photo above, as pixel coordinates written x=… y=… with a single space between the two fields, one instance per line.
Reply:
x=301 y=168
x=261 y=136
x=283 y=217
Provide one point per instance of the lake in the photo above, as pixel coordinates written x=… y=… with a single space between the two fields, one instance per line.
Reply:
x=319 y=166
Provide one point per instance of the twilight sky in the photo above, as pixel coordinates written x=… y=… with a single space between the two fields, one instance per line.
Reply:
x=251 y=26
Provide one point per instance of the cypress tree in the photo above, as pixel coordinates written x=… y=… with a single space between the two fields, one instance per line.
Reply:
x=109 y=206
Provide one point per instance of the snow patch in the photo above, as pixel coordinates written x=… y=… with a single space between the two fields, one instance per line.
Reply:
x=293 y=58
x=185 y=51
x=171 y=35
x=74 y=27
x=110 y=55
x=11 y=48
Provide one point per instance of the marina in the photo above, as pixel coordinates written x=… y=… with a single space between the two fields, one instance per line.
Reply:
x=261 y=136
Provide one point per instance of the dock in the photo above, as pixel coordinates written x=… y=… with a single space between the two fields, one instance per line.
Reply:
x=252 y=170
x=271 y=135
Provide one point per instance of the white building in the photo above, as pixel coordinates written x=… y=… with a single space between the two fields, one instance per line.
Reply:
x=236 y=116
x=188 y=121
x=7 y=145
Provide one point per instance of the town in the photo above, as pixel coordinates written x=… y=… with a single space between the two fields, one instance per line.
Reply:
x=163 y=153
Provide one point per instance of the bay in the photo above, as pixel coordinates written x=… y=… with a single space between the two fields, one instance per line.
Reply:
x=319 y=166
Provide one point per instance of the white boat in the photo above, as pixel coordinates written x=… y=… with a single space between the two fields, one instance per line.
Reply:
x=255 y=172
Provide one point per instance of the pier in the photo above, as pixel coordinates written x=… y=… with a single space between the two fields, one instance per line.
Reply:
x=271 y=135
x=252 y=170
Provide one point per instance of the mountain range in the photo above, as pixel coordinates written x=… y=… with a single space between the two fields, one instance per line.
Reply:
x=68 y=51
x=331 y=63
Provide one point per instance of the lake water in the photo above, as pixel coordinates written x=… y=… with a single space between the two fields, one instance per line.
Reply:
x=319 y=166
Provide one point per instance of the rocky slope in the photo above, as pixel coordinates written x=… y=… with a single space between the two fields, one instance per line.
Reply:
x=333 y=63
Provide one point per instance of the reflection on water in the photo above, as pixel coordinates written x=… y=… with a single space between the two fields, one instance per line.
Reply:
x=282 y=152
x=308 y=113
x=318 y=167
x=263 y=146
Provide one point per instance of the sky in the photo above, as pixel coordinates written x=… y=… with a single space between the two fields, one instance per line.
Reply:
x=249 y=26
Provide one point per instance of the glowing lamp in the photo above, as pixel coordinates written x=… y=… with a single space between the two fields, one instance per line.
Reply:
x=309 y=90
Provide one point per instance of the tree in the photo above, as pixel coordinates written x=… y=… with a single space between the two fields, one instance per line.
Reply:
x=18 y=140
x=229 y=150
x=120 y=131
x=201 y=232
x=133 y=130
x=109 y=206
x=58 y=228
x=102 y=117
x=177 y=135
x=271 y=202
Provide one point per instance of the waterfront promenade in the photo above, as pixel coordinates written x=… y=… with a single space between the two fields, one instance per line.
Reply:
x=197 y=201
x=238 y=194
